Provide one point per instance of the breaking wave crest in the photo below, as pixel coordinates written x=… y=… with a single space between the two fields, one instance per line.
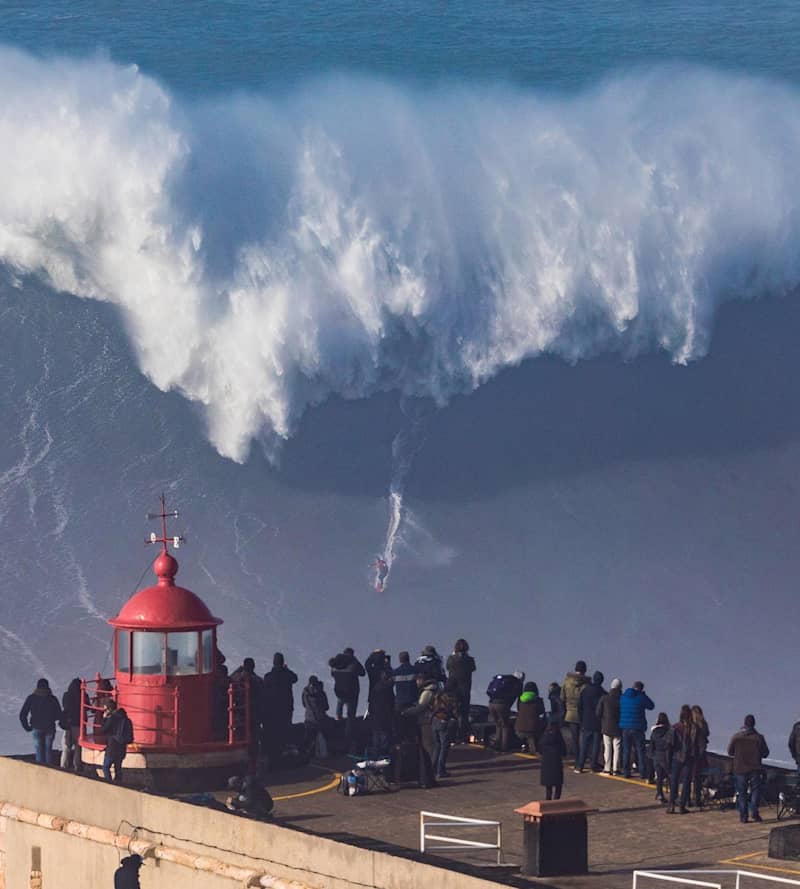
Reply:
x=358 y=236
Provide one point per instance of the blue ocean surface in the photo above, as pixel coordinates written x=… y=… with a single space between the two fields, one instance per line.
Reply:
x=213 y=47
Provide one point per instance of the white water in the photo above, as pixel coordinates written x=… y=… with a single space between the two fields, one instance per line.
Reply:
x=355 y=236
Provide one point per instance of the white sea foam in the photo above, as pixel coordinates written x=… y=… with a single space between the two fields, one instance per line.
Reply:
x=357 y=236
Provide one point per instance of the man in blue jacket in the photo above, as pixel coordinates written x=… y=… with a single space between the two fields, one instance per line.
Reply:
x=633 y=722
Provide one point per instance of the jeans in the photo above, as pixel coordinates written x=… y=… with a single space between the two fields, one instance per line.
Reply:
x=463 y=715
x=753 y=779
x=680 y=773
x=633 y=737
x=441 y=745
x=661 y=780
x=43 y=746
x=590 y=746
x=113 y=756
x=612 y=752
x=500 y=714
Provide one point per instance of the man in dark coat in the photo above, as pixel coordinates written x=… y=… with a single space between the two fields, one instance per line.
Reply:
x=374 y=666
x=381 y=712
x=71 y=723
x=127 y=874
x=590 y=722
x=422 y=713
x=39 y=715
x=315 y=706
x=503 y=692
x=345 y=669
x=118 y=732
x=246 y=674
x=429 y=663
x=748 y=748
x=405 y=682
x=278 y=703
x=608 y=713
x=460 y=667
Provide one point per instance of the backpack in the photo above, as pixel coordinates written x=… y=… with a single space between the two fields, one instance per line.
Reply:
x=497 y=687
x=123 y=733
x=443 y=707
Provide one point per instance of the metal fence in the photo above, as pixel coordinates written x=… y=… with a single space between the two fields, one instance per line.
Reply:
x=737 y=879
x=451 y=843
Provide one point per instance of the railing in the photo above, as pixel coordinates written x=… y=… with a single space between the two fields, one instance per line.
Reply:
x=164 y=722
x=738 y=878
x=453 y=844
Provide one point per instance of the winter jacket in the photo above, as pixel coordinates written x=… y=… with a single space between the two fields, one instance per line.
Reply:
x=552 y=751
x=570 y=695
x=345 y=669
x=683 y=743
x=702 y=734
x=405 y=685
x=256 y=690
x=71 y=705
x=277 y=692
x=423 y=709
x=381 y=702
x=511 y=689
x=587 y=704
x=374 y=665
x=632 y=705
x=431 y=665
x=43 y=710
x=748 y=748
x=660 y=745
x=460 y=667
x=530 y=714
x=608 y=713
x=315 y=704
x=556 y=707
x=794 y=742
x=116 y=727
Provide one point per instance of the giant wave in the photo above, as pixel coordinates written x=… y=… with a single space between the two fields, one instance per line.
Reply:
x=356 y=236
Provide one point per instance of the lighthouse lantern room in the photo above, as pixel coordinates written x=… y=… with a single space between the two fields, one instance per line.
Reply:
x=187 y=717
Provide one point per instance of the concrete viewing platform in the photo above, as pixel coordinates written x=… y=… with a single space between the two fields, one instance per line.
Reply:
x=629 y=831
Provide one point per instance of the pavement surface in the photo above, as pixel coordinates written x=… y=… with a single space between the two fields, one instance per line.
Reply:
x=630 y=830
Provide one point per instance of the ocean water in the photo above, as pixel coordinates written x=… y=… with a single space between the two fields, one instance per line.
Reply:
x=505 y=294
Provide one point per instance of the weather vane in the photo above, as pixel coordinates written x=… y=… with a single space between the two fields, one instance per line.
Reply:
x=175 y=540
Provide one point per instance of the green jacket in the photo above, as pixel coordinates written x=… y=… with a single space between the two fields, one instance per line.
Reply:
x=571 y=693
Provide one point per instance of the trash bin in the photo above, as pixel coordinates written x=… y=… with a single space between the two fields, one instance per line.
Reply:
x=556 y=838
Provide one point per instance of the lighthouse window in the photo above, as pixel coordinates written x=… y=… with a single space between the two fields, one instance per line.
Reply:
x=148 y=652
x=182 y=654
x=123 y=651
x=208 y=651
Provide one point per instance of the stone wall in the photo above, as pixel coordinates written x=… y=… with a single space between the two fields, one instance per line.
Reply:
x=94 y=823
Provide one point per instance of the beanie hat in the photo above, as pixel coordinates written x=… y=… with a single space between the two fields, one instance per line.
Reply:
x=616 y=683
x=598 y=678
x=42 y=683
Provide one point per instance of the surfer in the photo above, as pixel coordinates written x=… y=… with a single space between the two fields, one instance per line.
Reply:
x=382 y=569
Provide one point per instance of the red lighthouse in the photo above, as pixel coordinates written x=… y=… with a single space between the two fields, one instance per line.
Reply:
x=186 y=715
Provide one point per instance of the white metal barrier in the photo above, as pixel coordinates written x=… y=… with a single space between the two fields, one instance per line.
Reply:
x=738 y=878
x=451 y=843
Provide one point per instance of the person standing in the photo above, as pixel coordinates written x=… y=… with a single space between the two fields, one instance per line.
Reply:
x=71 y=723
x=571 y=689
x=422 y=712
x=608 y=713
x=794 y=744
x=405 y=682
x=633 y=722
x=126 y=875
x=39 y=715
x=702 y=734
x=748 y=748
x=460 y=667
x=588 y=702
x=246 y=677
x=444 y=719
x=278 y=702
x=118 y=732
x=659 y=753
x=556 y=713
x=530 y=717
x=345 y=669
x=682 y=756
x=503 y=692
x=552 y=751
x=315 y=716
x=381 y=711
x=430 y=663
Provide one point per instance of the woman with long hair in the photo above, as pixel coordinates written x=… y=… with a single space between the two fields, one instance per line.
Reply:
x=683 y=750
x=702 y=734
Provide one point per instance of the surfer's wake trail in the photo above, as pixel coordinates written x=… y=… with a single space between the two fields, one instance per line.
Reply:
x=357 y=236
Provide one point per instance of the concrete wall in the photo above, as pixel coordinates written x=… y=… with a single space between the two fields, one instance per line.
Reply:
x=69 y=861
